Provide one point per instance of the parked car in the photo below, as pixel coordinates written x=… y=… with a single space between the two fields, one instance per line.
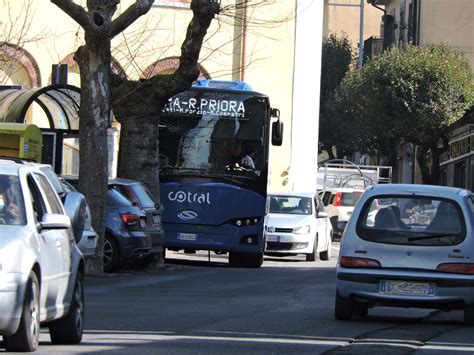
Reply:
x=140 y=196
x=127 y=236
x=390 y=258
x=339 y=203
x=41 y=273
x=88 y=241
x=298 y=224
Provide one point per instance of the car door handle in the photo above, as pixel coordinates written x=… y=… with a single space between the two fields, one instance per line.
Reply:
x=58 y=243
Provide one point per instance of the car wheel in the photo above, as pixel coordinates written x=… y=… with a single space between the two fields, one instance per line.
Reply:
x=111 y=254
x=26 y=337
x=326 y=255
x=469 y=315
x=69 y=330
x=312 y=256
x=247 y=260
x=344 y=308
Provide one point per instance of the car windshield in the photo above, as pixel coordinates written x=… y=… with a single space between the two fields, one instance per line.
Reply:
x=290 y=205
x=411 y=221
x=12 y=206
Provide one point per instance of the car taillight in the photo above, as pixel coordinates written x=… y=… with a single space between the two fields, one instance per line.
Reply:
x=456 y=268
x=347 y=261
x=130 y=220
x=337 y=199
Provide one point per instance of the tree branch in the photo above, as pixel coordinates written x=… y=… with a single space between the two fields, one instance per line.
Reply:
x=133 y=12
x=76 y=12
x=203 y=13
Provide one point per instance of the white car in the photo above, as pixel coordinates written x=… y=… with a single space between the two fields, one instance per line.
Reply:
x=41 y=268
x=339 y=203
x=298 y=224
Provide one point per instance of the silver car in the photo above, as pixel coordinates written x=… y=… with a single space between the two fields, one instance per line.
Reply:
x=408 y=246
x=41 y=268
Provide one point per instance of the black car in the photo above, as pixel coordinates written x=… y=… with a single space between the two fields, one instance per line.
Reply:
x=128 y=235
x=141 y=197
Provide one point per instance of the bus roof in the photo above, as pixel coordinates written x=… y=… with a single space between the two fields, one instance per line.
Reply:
x=223 y=84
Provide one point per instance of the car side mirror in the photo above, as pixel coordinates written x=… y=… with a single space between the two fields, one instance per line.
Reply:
x=323 y=214
x=55 y=221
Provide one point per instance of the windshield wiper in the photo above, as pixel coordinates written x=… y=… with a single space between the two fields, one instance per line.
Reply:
x=451 y=236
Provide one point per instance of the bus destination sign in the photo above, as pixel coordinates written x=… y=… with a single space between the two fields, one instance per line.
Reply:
x=205 y=107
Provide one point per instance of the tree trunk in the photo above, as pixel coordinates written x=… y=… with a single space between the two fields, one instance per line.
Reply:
x=94 y=64
x=423 y=164
x=139 y=152
x=330 y=152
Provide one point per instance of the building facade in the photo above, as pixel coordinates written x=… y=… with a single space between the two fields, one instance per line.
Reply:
x=427 y=22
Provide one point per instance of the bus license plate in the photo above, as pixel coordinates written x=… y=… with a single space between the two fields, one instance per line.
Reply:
x=187 y=236
x=408 y=288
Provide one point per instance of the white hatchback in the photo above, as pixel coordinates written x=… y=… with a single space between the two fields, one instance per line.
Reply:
x=298 y=224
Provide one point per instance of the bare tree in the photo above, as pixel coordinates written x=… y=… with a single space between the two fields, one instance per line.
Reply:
x=94 y=60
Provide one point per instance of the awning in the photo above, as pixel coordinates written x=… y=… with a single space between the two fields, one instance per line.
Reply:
x=60 y=104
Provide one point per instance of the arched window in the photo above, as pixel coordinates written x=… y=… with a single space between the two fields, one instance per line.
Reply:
x=169 y=66
x=18 y=67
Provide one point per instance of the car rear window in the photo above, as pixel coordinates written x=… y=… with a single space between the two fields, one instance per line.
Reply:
x=426 y=221
x=143 y=195
x=345 y=199
x=290 y=205
x=350 y=198
x=115 y=198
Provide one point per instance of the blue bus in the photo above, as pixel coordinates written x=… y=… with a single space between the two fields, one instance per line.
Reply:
x=213 y=147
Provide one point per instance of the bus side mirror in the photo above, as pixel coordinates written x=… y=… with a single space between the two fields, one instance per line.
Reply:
x=277 y=133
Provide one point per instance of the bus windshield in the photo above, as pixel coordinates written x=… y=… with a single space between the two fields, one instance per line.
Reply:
x=214 y=133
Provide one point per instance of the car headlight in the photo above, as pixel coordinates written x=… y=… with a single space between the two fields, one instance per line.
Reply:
x=302 y=230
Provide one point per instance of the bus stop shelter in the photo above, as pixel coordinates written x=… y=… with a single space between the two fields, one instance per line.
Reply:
x=56 y=113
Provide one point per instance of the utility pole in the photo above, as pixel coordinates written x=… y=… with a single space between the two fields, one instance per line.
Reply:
x=360 y=59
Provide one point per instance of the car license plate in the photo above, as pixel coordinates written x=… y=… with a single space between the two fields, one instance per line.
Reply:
x=408 y=288
x=187 y=236
x=156 y=219
x=273 y=238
